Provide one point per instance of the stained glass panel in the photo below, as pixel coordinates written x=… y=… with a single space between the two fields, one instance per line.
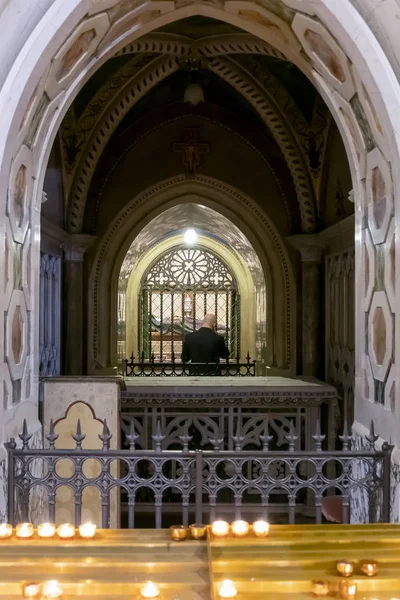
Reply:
x=177 y=292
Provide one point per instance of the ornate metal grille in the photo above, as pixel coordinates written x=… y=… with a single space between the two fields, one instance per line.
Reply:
x=177 y=292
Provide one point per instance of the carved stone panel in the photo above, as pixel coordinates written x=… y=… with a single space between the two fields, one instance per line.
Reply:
x=328 y=58
x=379 y=195
x=75 y=52
x=380 y=329
x=16 y=335
x=19 y=196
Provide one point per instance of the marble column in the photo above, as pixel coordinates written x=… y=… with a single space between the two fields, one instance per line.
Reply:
x=310 y=248
x=73 y=301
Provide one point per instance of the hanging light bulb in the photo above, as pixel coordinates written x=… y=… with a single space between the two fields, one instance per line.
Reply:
x=190 y=237
x=194 y=94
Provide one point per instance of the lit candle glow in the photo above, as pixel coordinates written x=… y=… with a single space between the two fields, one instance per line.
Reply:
x=240 y=528
x=369 y=568
x=320 y=588
x=227 y=589
x=220 y=528
x=261 y=528
x=31 y=590
x=66 y=531
x=87 y=530
x=46 y=530
x=5 y=530
x=24 y=530
x=347 y=590
x=345 y=567
x=150 y=590
x=52 y=589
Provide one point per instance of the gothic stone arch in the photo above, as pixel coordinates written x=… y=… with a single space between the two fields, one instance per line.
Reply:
x=54 y=51
x=240 y=210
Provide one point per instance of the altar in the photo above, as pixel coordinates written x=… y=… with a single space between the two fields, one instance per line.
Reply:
x=225 y=408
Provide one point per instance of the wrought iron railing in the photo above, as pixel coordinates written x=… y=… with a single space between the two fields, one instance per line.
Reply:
x=198 y=480
x=176 y=368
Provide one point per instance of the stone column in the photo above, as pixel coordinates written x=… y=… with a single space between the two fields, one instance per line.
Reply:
x=310 y=248
x=73 y=302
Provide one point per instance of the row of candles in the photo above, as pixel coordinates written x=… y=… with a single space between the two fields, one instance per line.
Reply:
x=220 y=529
x=52 y=589
x=47 y=530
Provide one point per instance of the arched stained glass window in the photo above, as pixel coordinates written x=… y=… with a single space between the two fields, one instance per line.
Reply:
x=177 y=291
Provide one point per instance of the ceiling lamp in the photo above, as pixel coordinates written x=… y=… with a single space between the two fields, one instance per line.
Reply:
x=190 y=237
x=194 y=94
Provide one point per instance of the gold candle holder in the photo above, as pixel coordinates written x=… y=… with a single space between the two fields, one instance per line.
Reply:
x=220 y=528
x=24 y=530
x=31 y=590
x=345 y=567
x=66 y=531
x=347 y=590
x=87 y=530
x=150 y=590
x=52 y=589
x=260 y=528
x=46 y=530
x=369 y=568
x=227 y=589
x=198 y=532
x=179 y=532
x=320 y=588
x=5 y=530
x=240 y=528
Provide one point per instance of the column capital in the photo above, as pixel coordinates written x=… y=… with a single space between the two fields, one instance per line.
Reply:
x=310 y=246
x=77 y=245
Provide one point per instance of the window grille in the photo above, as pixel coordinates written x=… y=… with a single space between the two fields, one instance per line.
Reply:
x=177 y=291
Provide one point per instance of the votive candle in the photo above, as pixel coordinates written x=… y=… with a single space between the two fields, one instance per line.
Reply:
x=46 y=530
x=345 y=567
x=150 y=590
x=240 y=528
x=347 y=590
x=227 y=589
x=24 y=530
x=220 y=528
x=5 y=530
x=320 y=588
x=369 y=568
x=87 y=530
x=31 y=590
x=52 y=589
x=261 y=528
x=66 y=531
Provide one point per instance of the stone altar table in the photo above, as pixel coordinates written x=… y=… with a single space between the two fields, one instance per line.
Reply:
x=228 y=403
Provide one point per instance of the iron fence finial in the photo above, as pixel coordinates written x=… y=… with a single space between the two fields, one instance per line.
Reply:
x=105 y=436
x=52 y=436
x=265 y=438
x=132 y=436
x=185 y=437
x=291 y=437
x=158 y=437
x=79 y=436
x=345 y=438
x=238 y=439
x=318 y=437
x=372 y=436
x=25 y=436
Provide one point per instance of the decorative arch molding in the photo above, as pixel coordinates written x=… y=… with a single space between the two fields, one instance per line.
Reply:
x=96 y=191
x=228 y=256
x=258 y=97
x=27 y=114
x=242 y=212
